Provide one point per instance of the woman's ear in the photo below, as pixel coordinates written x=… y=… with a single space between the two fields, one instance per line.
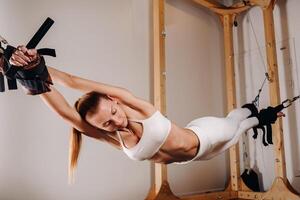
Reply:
x=113 y=99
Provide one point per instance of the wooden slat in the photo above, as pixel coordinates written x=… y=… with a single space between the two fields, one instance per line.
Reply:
x=261 y=3
x=164 y=193
x=222 y=10
x=227 y=21
x=159 y=55
x=159 y=77
x=159 y=186
x=279 y=191
x=280 y=165
x=212 y=196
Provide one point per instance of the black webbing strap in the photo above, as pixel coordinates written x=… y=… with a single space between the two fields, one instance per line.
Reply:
x=38 y=36
x=12 y=84
x=2 y=86
x=266 y=118
x=11 y=71
x=47 y=52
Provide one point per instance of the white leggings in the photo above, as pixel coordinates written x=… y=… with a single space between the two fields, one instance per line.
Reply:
x=218 y=134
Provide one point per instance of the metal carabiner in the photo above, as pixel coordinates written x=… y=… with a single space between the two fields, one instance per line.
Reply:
x=295 y=98
x=4 y=41
x=287 y=103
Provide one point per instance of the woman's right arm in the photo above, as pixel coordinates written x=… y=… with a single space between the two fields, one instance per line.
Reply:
x=85 y=85
x=59 y=105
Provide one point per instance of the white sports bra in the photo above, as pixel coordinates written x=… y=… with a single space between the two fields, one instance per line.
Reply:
x=156 y=129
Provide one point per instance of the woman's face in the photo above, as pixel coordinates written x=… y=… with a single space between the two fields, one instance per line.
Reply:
x=109 y=116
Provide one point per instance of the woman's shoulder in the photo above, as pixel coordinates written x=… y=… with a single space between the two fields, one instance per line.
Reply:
x=147 y=109
x=141 y=105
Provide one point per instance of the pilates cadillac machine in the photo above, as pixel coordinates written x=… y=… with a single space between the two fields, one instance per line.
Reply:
x=236 y=189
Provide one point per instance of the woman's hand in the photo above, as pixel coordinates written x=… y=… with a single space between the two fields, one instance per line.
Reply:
x=23 y=57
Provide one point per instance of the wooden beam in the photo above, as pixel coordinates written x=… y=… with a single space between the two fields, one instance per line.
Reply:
x=280 y=165
x=250 y=195
x=159 y=184
x=212 y=196
x=227 y=21
x=261 y=3
x=164 y=193
x=279 y=191
x=159 y=75
x=209 y=4
x=222 y=10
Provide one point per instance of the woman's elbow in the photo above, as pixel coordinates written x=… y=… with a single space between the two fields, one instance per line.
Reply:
x=70 y=82
x=66 y=115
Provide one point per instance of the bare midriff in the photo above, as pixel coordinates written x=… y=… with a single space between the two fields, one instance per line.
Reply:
x=180 y=145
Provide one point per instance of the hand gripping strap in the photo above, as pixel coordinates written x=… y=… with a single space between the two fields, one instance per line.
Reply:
x=9 y=70
x=36 y=80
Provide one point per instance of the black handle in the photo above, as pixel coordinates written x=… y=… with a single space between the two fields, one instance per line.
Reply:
x=38 y=36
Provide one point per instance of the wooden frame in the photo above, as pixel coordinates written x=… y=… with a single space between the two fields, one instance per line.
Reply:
x=281 y=189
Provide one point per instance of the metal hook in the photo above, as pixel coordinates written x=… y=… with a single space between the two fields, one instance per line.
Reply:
x=289 y=102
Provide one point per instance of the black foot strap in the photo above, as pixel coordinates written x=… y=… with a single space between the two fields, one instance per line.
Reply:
x=266 y=118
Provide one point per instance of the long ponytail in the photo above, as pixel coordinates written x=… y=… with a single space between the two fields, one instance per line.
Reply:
x=74 y=150
x=75 y=141
x=86 y=104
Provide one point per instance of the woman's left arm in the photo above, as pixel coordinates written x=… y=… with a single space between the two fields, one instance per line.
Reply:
x=59 y=105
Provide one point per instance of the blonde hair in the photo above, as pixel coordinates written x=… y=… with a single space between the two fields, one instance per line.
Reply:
x=86 y=104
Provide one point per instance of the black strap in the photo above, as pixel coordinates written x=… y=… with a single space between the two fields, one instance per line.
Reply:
x=265 y=143
x=2 y=86
x=266 y=118
x=47 y=52
x=38 y=36
x=12 y=84
x=269 y=134
x=11 y=72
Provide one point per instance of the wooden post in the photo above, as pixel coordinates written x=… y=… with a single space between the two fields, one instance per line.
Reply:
x=159 y=184
x=159 y=76
x=227 y=21
x=280 y=165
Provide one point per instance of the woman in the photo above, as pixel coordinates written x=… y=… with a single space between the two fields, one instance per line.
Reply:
x=114 y=115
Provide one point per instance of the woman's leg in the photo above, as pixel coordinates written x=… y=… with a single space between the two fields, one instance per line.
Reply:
x=218 y=134
x=245 y=125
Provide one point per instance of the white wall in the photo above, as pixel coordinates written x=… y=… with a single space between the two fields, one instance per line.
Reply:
x=194 y=86
x=250 y=48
